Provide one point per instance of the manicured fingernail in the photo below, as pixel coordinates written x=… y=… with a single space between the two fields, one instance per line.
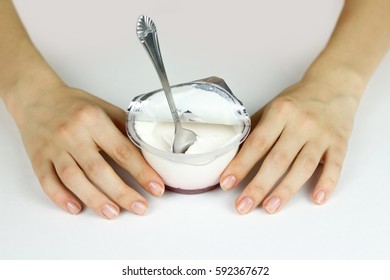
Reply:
x=228 y=182
x=320 y=197
x=109 y=211
x=139 y=208
x=156 y=189
x=272 y=205
x=245 y=206
x=73 y=208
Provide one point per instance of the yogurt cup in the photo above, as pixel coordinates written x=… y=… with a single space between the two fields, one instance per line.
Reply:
x=207 y=107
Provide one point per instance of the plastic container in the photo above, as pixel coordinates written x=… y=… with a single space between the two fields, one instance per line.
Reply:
x=208 y=108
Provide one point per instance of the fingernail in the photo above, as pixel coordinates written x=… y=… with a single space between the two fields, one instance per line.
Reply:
x=245 y=206
x=272 y=205
x=320 y=197
x=73 y=208
x=139 y=208
x=109 y=211
x=228 y=182
x=156 y=189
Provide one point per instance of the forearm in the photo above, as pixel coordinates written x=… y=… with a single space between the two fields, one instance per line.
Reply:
x=22 y=66
x=360 y=40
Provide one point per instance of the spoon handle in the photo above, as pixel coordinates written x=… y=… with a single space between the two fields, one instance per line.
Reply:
x=147 y=34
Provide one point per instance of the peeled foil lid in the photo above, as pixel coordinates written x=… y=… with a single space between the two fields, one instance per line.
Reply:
x=205 y=101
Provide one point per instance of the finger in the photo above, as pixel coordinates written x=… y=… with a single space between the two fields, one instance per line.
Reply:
x=256 y=117
x=75 y=180
x=302 y=169
x=56 y=191
x=117 y=115
x=255 y=147
x=273 y=168
x=330 y=175
x=104 y=177
x=123 y=152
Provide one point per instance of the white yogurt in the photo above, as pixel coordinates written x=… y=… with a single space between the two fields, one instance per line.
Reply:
x=184 y=176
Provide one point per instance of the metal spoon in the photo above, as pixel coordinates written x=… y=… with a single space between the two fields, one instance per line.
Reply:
x=147 y=34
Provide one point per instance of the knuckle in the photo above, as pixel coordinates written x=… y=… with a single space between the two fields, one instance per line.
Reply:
x=309 y=120
x=124 y=199
x=328 y=183
x=335 y=160
x=142 y=174
x=82 y=115
x=340 y=140
x=240 y=167
x=64 y=130
x=87 y=113
x=37 y=159
x=288 y=191
x=56 y=195
x=283 y=105
x=259 y=142
x=258 y=191
x=332 y=182
x=95 y=168
x=45 y=181
x=309 y=165
x=93 y=202
x=123 y=153
x=68 y=173
x=53 y=191
x=280 y=159
x=261 y=191
x=337 y=165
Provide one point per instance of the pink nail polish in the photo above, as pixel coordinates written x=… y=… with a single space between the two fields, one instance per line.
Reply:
x=156 y=189
x=245 y=206
x=320 y=197
x=228 y=182
x=272 y=205
x=139 y=208
x=73 y=208
x=109 y=211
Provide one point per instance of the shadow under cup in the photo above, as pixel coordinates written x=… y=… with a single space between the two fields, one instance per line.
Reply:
x=202 y=104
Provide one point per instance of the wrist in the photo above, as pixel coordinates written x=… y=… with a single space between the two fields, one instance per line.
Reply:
x=27 y=75
x=338 y=75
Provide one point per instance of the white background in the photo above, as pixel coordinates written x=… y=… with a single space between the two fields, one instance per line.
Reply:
x=259 y=48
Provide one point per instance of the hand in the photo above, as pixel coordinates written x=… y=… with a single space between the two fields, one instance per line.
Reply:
x=64 y=131
x=307 y=124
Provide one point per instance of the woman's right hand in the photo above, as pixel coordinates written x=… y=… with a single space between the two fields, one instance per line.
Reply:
x=64 y=130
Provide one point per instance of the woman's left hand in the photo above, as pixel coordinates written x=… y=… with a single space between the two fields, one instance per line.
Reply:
x=307 y=124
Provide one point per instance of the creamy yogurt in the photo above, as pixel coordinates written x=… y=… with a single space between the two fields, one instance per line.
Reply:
x=211 y=137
